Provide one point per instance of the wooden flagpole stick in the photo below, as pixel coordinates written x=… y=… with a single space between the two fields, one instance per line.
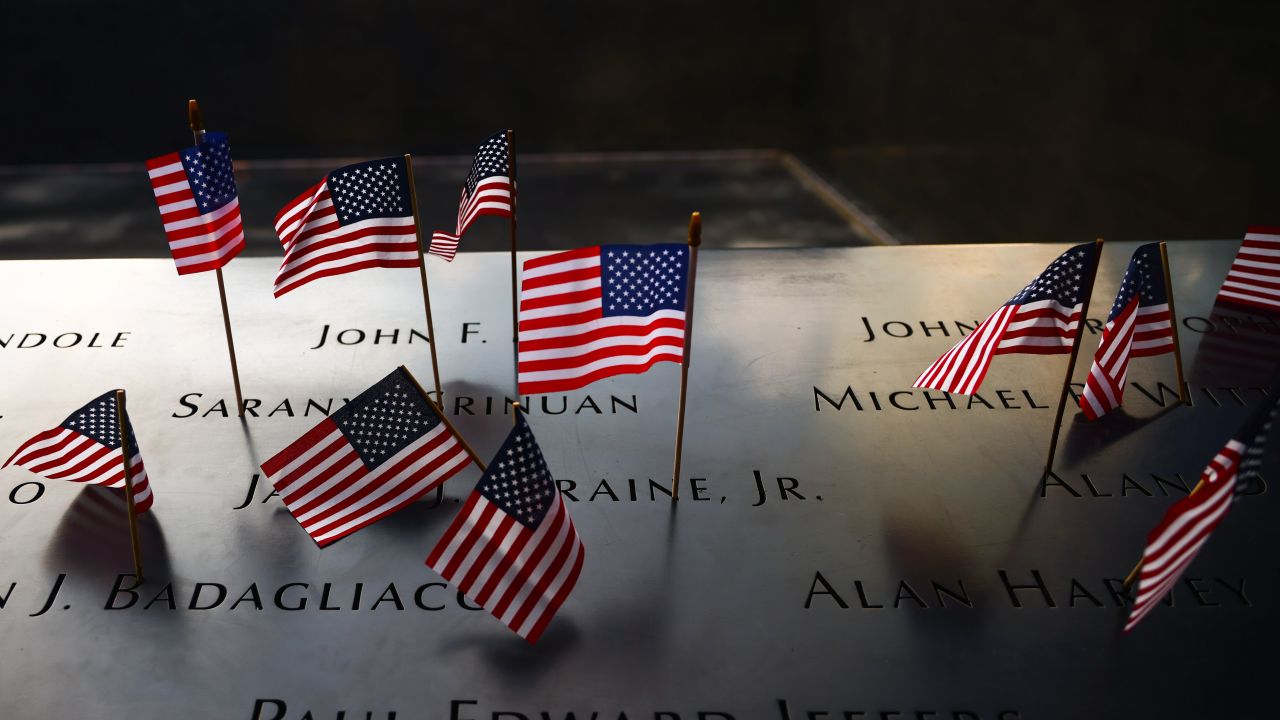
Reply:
x=1173 y=323
x=122 y=427
x=445 y=419
x=1071 y=366
x=1133 y=574
x=515 y=412
x=515 y=291
x=695 y=239
x=197 y=133
x=422 y=268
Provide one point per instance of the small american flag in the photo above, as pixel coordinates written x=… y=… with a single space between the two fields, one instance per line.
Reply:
x=1254 y=277
x=1138 y=326
x=487 y=191
x=85 y=448
x=1176 y=541
x=360 y=216
x=196 y=192
x=599 y=311
x=375 y=455
x=1042 y=319
x=513 y=548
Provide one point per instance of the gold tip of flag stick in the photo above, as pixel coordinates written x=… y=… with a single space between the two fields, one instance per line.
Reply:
x=193 y=115
x=695 y=229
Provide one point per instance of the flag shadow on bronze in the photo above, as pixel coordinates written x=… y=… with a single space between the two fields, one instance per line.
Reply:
x=1087 y=437
x=928 y=563
x=1240 y=347
x=93 y=536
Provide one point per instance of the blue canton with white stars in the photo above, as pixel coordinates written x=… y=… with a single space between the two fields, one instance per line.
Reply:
x=373 y=189
x=97 y=420
x=518 y=480
x=1065 y=281
x=208 y=168
x=1144 y=278
x=386 y=418
x=643 y=279
x=491 y=160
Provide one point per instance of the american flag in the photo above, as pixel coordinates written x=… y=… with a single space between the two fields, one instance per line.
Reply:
x=196 y=192
x=1254 y=277
x=1174 y=543
x=513 y=548
x=85 y=448
x=375 y=455
x=360 y=216
x=1042 y=319
x=599 y=311
x=1138 y=326
x=487 y=191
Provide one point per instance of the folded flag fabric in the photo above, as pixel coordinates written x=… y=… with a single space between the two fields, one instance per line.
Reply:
x=86 y=448
x=487 y=191
x=372 y=457
x=1041 y=319
x=196 y=192
x=1138 y=326
x=513 y=547
x=359 y=216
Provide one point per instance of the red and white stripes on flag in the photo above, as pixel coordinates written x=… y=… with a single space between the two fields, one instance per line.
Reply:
x=1174 y=543
x=595 y=312
x=86 y=448
x=1137 y=332
x=358 y=217
x=1042 y=319
x=513 y=548
x=1254 y=277
x=204 y=232
x=374 y=456
x=443 y=245
x=488 y=190
x=1139 y=326
x=492 y=197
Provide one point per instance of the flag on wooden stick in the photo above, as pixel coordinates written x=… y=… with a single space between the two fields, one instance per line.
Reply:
x=359 y=216
x=513 y=547
x=95 y=445
x=600 y=311
x=386 y=448
x=1041 y=319
x=196 y=191
x=85 y=448
x=1176 y=541
x=1139 y=326
x=486 y=191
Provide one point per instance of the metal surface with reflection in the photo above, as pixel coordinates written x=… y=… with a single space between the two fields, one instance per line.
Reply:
x=872 y=577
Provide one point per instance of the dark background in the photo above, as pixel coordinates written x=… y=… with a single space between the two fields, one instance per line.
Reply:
x=951 y=122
